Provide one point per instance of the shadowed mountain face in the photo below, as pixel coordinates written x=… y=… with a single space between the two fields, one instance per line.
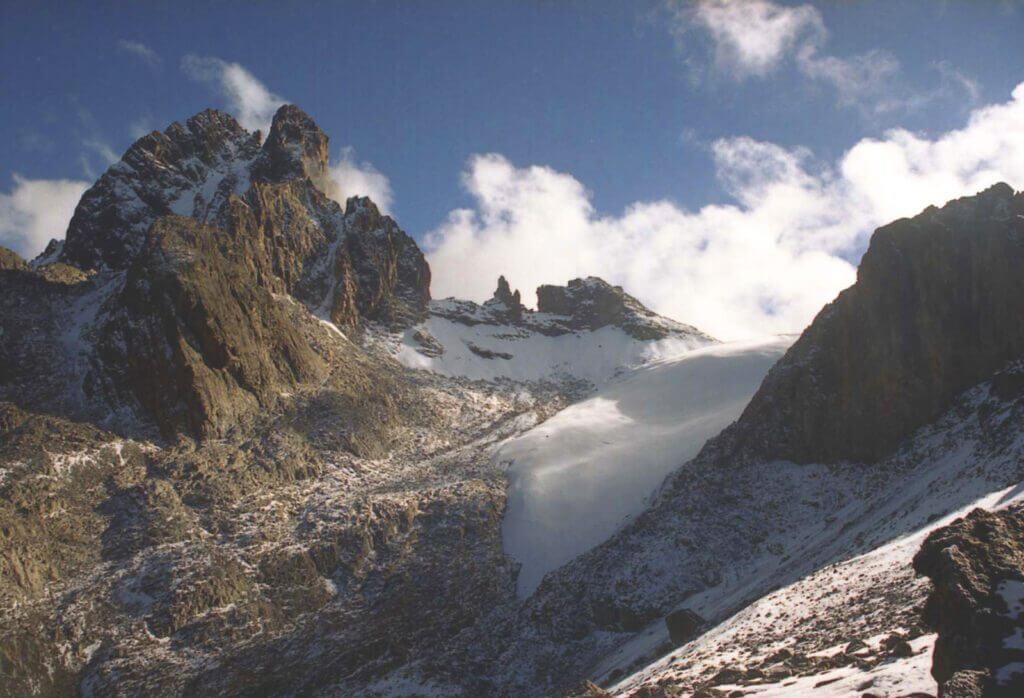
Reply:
x=937 y=307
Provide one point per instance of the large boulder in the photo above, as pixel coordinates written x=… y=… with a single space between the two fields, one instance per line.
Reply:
x=976 y=605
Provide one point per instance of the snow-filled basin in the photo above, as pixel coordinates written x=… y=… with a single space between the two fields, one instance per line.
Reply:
x=576 y=478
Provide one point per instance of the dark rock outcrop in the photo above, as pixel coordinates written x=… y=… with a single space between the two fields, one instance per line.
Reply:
x=683 y=625
x=295 y=148
x=976 y=565
x=506 y=303
x=937 y=308
x=381 y=269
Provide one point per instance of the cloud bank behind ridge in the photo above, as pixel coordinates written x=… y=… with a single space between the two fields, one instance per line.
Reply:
x=763 y=264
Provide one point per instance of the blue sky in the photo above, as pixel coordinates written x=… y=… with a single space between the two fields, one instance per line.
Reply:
x=632 y=101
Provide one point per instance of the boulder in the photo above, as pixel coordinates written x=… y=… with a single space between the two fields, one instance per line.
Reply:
x=683 y=625
x=976 y=565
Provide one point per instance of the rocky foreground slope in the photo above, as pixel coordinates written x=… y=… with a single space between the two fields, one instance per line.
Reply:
x=242 y=452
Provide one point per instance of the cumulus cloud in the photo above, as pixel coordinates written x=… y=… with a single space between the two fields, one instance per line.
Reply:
x=354 y=178
x=248 y=98
x=763 y=264
x=36 y=210
x=140 y=51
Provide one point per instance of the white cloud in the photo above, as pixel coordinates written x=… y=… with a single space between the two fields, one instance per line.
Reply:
x=250 y=101
x=353 y=178
x=35 y=211
x=755 y=38
x=140 y=51
x=751 y=37
x=140 y=127
x=766 y=263
x=102 y=149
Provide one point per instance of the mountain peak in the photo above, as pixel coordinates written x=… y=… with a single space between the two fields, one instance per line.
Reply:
x=295 y=147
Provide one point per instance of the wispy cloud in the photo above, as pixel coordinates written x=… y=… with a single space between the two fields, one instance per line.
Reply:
x=140 y=127
x=140 y=51
x=248 y=98
x=355 y=178
x=763 y=264
x=752 y=39
x=36 y=210
x=254 y=105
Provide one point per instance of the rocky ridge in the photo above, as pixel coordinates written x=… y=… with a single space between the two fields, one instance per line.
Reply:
x=582 y=305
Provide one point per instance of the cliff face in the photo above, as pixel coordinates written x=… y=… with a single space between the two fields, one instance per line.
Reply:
x=194 y=339
x=937 y=307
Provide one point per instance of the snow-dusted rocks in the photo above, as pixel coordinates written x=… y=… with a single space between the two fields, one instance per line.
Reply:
x=976 y=565
x=500 y=339
x=188 y=169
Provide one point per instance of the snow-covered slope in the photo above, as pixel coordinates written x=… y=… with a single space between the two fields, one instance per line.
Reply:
x=577 y=477
x=866 y=599
x=491 y=352
x=845 y=575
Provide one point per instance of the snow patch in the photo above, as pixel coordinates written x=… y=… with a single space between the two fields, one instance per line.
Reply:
x=594 y=356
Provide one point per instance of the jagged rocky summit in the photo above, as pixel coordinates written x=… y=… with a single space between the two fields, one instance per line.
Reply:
x=186 y=248
x=581 y=305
